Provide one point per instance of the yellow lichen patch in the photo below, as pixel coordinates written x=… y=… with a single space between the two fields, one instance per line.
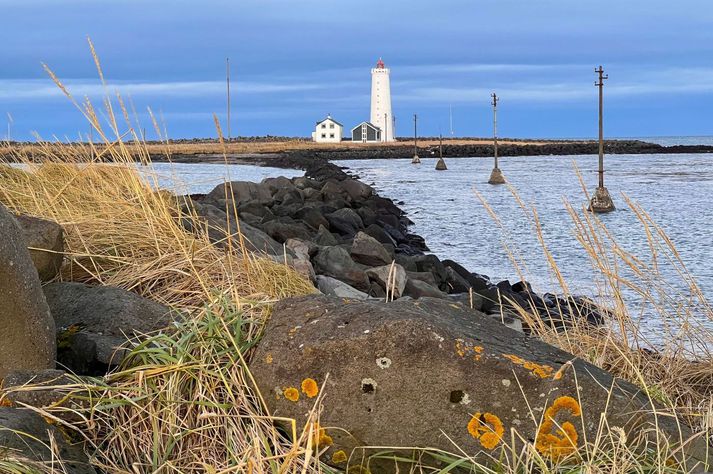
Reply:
x=320 y=438
x=339 y=457
x=541 y=370
x=268 y=359
x=464 y=348
x=310 y=388
x=486 y=428
x=563 y=441
x=291 y=393
x=478 y=352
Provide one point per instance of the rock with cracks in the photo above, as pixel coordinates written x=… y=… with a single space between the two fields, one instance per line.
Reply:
x=430 y=373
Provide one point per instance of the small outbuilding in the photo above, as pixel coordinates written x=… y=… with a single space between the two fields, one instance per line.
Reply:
x=366 y=132
x=328 y=131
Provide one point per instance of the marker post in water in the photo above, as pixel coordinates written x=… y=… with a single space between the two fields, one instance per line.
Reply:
x=496 y=176
x=601 y=201
x=416 y=160
x=440 y=164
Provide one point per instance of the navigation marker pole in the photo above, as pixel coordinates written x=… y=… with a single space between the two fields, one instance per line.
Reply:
x=416 y=160
x=496 y=176
x=440 y=164
x=227 y=79
x=601 y=201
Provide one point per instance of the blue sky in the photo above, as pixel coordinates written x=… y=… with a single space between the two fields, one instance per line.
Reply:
x=296 y=60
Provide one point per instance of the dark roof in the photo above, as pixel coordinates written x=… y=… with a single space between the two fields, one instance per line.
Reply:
x=369 y=124
x=330 y=118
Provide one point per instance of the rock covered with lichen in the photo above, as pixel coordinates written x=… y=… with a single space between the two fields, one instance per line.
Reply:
x=432 y=373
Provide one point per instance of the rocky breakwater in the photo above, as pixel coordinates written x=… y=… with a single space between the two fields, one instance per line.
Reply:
x=353 y=243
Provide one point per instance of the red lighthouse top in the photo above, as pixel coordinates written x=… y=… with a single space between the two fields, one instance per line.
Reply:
x=380 y=64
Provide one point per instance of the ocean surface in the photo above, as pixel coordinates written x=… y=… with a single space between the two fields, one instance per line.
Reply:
x=675 y=190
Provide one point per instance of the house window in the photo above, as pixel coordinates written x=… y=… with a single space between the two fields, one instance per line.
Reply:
x=324 y=135
x=331 y=135
x=324 y=126
x=331 y=125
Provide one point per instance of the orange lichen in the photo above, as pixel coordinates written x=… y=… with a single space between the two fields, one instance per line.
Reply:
x=463 y=348
x=486 y=428
x=320 y=438
x=339 y=457
x=563 y=441
x=291 y=393
x=541 y=370
x=5 y=402
x=310 y=388
x=268 y=359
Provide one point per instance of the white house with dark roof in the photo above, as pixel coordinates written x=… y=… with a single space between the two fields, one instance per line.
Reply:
x=328 y=131
x=366 y=132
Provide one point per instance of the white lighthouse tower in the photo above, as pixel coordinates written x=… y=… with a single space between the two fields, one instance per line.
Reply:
x=381 y=115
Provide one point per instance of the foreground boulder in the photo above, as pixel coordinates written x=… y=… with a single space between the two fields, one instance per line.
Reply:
x=27 y=332
x=46 y=242
x=26 y=438
x=431 y=373
x=95 y=323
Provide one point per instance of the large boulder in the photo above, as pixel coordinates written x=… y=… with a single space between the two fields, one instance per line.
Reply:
x=31 y=440
x=367 y=250
x=335 y=262
x=95 y=323
x=45 y=239
x=27 y=331
x=432 y=373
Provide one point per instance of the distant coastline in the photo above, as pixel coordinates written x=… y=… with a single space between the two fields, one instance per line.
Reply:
x=298 y=153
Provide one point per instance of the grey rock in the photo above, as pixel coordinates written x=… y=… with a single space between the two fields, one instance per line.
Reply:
x=357 y=190
x=336 y=263
x=277 y=184
x=325 y=238
x=414 y=373
x=46 y=242
x=420 y=289
x=241 y=192
x=27 y=332
x=333 y=287
x=368 y=251
x=26 y=437
x=102 y=318
x=345 y=221
x=389 y=277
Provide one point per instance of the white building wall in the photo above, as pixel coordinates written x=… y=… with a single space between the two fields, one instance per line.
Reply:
x=330 y=133
x=381 y=115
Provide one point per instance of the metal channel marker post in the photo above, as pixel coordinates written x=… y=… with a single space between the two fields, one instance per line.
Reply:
x=601 y=201
x=416 y=160
x=496 y=176
x=440 y=164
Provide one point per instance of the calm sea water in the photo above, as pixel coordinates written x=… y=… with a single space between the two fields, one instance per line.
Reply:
x=675 y=189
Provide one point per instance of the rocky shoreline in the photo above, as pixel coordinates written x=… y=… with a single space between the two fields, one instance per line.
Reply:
x=342 y=235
